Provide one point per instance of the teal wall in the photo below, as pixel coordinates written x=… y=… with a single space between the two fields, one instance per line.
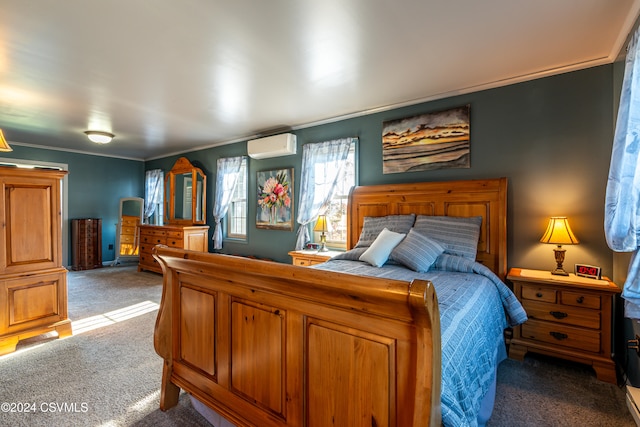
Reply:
x=95 y=186
x=550 y=137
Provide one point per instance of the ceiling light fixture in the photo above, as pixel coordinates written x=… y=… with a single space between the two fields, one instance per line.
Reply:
x=99 y=136
x=4 y=145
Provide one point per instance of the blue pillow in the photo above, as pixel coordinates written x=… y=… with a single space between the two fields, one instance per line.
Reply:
x=458 y=235
x=373 y=225
x=417 y=251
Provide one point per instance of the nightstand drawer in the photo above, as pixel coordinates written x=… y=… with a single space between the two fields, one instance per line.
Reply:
x=539 y=294
x=561 y=335
x=562 y=314
x=578 y=299
x=301 y=262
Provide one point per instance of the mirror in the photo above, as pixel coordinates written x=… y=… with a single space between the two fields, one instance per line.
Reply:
x=127 y=240
x=185 y=189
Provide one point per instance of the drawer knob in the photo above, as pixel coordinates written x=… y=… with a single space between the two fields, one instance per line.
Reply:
x=580 y=299
x=559 y=335
x=558 y=314
x=539 y=294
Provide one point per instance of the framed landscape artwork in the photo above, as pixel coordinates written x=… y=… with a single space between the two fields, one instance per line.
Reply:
x=275 y=199
x=428 y=141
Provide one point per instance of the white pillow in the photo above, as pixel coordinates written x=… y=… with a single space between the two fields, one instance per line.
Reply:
x=381 y=248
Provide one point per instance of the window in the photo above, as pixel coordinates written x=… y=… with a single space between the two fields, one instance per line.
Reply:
x=158 y=214
x=154 y=197
x=237 y=214
x=337 y=211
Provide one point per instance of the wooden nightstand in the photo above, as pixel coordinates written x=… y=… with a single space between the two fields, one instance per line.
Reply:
x=570 y=317
x=307 y=258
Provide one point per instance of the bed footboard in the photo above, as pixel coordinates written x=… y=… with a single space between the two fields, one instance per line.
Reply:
x=268 y=344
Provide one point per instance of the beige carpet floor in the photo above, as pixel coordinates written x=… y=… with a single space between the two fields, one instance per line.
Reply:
x=108 y=374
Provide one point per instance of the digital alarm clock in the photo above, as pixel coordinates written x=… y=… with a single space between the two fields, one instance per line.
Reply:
x=590 y=271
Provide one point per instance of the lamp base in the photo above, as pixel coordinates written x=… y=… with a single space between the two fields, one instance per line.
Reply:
x=559 y=253
x=323 y=243
x=559 y=272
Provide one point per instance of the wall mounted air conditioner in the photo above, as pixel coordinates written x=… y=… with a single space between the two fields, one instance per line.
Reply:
x=272 y=146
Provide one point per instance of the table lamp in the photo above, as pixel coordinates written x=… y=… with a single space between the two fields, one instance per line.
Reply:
x=321 y=226
x=559 y=233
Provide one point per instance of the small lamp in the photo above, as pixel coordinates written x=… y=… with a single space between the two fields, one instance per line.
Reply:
x=559 y=233
x=4 y=145
x=321 y=226
x=99 y=136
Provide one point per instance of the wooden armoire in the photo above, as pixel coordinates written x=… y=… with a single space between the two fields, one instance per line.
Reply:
x=33 y=281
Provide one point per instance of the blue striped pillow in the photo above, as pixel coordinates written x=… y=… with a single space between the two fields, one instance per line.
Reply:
x=459 y=235
x=373 y=225
x=417 y=251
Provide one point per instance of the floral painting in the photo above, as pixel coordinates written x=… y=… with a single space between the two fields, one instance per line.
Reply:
x=275 y=199
x=429 y=141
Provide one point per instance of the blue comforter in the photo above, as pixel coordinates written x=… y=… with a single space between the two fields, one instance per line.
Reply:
x=475 y=308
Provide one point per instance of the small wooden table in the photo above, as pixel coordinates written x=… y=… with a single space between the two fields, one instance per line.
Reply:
x=570 y=317
x=306 y=258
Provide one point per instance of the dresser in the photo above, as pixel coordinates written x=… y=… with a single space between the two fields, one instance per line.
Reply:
x=86 y=243
x=191 y=237
x=570 y=317
x=33 y=282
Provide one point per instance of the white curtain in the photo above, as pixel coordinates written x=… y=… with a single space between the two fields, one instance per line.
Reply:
x=226 y=178
x=622 y=212
x=153 y=185
x=322 y=165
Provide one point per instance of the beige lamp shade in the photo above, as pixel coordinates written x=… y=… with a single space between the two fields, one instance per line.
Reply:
x=4 y=146
x=558 y=232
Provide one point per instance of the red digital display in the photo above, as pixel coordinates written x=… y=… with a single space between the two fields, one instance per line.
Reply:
x=588 y=271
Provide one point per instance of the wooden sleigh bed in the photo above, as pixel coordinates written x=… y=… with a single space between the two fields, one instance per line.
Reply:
x=270 y=344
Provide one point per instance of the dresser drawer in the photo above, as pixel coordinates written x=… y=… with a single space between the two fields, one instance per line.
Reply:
x=153 y=232
x=537 y=293
x=175 y=242
x=146 y=247
x=147 y=259
x=129 y=230
x=562 y=335
x=153 y=240
x=563 y=314
x=578 y=299
x=127 y=239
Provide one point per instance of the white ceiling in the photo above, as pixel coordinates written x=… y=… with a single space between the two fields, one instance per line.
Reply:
x=168 y=76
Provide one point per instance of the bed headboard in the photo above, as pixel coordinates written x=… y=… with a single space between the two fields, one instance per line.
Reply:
x=486 y=198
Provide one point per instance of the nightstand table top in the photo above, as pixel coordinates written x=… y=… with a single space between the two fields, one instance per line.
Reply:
x=540 y=276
